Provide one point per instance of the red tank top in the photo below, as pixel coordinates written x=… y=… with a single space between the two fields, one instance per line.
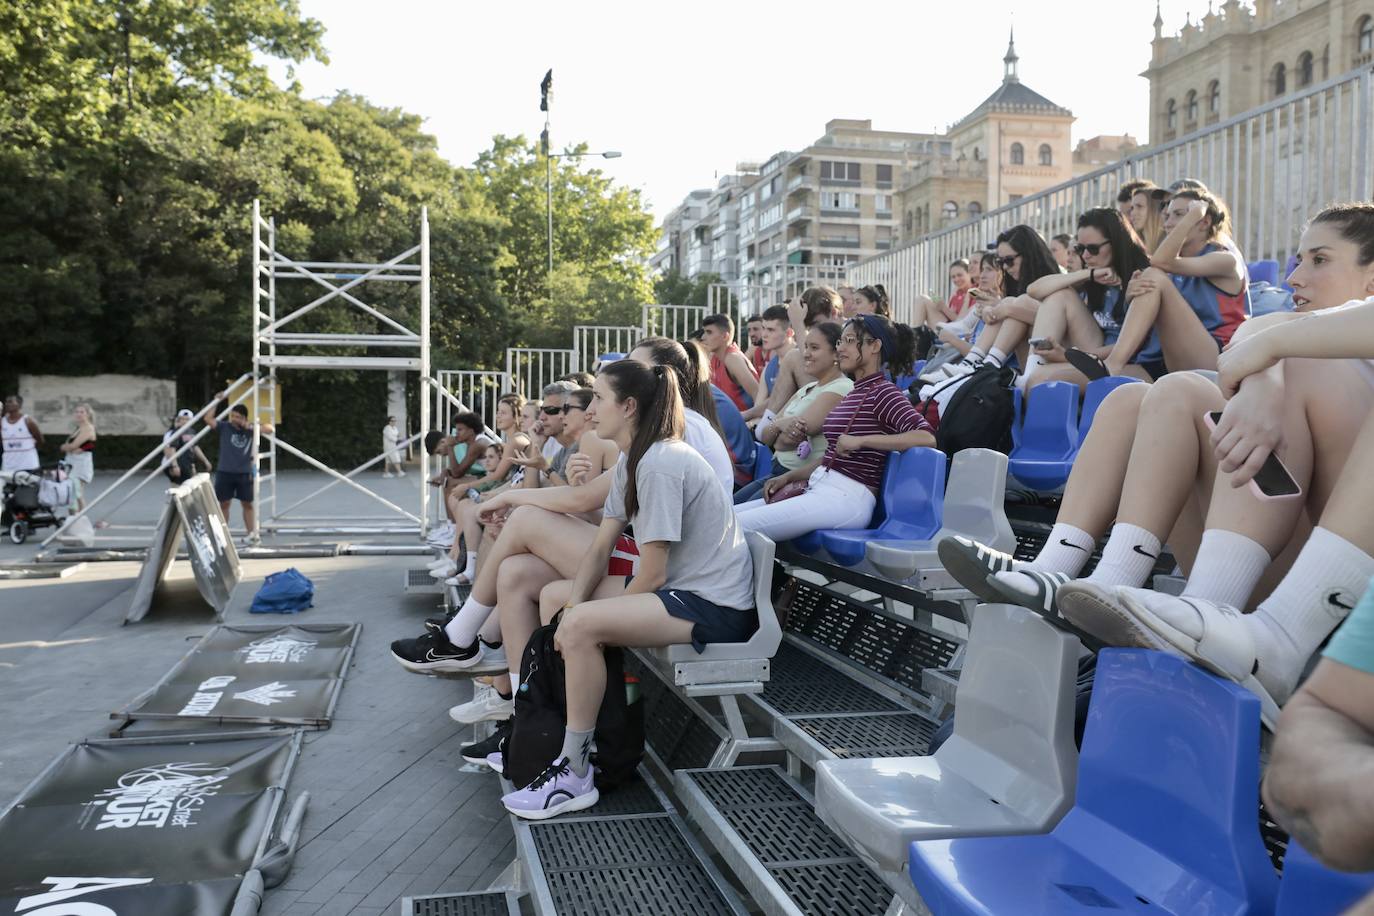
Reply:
x=721 y=378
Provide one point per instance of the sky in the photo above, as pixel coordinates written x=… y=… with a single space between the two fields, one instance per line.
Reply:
x=686 y=90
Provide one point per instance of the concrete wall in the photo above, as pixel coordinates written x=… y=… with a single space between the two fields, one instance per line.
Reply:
x=124 y=405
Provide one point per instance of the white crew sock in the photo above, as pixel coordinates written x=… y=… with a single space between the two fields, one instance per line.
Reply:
x=577 y=747
x=1033 y=362
x=1228 y=567
x=462 y=629
x=1066 y=550
x=974 y=356
x=996 y=357
x=1327 y=579
x=1127 y=559
x=470 y=571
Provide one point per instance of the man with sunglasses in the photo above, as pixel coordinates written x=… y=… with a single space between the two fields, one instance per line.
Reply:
x=559 y=445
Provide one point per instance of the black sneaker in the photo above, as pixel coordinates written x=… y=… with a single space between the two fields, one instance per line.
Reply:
x=432 y=653
x=438 y=623
x=481 y=751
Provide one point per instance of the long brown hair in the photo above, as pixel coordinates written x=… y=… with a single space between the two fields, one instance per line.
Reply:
x=658 y=414
x=693 y=368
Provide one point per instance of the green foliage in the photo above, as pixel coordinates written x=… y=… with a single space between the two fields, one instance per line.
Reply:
x=672 y=288
x=134 y=136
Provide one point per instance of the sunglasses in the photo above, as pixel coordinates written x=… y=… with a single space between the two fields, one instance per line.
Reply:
x=552 y=411
x=1004 y=263
x=1092 y=250
x=569 y=408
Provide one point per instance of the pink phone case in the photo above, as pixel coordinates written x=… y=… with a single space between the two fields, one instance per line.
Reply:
x=1254 y=487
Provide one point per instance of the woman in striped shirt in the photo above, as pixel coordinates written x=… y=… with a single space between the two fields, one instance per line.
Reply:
x=875 y=418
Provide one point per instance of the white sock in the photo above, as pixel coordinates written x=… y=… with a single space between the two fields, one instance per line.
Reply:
x=1127 y=559
x=1033 y=362
x=462 y=629
x=577 y=747
x=996 y=357
x=470 y=571
x=1066 y=550
x=1327 y=579
x=974 y=356
x=1228 y=567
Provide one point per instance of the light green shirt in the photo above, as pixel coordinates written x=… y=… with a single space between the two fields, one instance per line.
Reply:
x=1353 y=643
x=798 y=404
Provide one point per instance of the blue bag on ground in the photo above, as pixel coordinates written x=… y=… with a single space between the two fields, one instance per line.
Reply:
x=285 y=592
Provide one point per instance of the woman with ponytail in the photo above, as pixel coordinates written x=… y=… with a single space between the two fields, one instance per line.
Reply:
x=872 y=420
x=695 y=582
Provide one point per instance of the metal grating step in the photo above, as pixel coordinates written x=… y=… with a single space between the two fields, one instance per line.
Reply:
x=420 y=582
x=804 y=685
x=768 y=831
x=901 y=735
x=475 y=903
x=679 y=737
x=635 y=797
x=623 y=867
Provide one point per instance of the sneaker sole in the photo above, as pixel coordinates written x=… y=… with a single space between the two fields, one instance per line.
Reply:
x=963 y=564
x=490 y=714
x=1086 y=609
x=580 y=803
x=440 y=667
x=498 y=770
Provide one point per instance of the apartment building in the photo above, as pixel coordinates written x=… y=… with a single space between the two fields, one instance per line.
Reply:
x=1239 y=57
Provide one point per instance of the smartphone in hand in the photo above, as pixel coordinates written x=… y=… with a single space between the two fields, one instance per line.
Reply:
x=1042 y=343
x=1272 y=480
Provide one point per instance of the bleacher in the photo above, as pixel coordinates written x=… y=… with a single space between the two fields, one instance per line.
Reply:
x=886 y=744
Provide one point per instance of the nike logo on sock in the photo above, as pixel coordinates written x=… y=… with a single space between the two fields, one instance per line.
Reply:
x=1333 y=600
x=1144 y=553
x=1066 y=543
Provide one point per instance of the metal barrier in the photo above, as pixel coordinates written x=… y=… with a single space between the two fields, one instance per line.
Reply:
x=476 y=389
x=1275 y=166
x=675 y=321
x=529 y=369
x=592 y=340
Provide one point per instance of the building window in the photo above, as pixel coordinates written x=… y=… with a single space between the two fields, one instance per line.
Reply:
x=1279 y=79
x=1046 y=154
x=1191 y=107
x=950 y=210
x=840 y=171
x=884 y=176
x=977 y=154
x=1018 y=154
x=1214 y=98
x=1171 y=114
x=882 y=203
x=1305 y=69
x=1365 y=32
x=975 y=209
x=839 y=200
x=909 y=221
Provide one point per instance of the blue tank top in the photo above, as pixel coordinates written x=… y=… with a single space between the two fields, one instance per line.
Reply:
x=1220 y=312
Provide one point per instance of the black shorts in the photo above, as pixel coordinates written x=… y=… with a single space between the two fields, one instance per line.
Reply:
x=230 y=486
x=711 y=622
x=1157 y=369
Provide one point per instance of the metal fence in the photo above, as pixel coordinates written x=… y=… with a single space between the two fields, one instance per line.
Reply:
x=529 y=369
x=477 y=390
x=1275 y=166
x=675 y=321
x=592 y=340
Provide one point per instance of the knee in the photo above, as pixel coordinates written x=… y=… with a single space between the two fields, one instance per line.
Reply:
x=577 y=631
x=1154 y=273
x=1182 y=392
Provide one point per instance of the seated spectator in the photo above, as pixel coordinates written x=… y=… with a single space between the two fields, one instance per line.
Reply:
x=579 y=379
x=935 y=314
x=815 y=304
x=739 y=439
x=875 y=418
x=777 y=343
x=961 y=333
x=1059 y=247
x=695 y=578
x=1193 y=297
x=872 y=300
x=1164 y=474
x=753 y=334
x=1147 y=216
x=1091 y=320
x=1125 y=197
x=1024 y=258
x=1316 y=785
x=730 y=371
x=848 y=305
x=599 y=455
x=796 y=432
x=545 y=466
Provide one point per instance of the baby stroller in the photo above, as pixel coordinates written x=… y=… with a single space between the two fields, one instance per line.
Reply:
x=33 y=500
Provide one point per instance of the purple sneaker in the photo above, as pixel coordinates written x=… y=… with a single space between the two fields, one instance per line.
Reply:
x=555 y=791
x=496 y=760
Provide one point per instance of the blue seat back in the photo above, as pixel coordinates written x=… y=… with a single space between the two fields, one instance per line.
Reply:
x=1050 y=430
x=1170 y=757
x=1268 y=271
x=1094 y=395
x=763 y=461
x=1309 y=888
x=912 y=499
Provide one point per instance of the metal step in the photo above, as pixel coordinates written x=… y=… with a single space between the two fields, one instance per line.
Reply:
x=765 y=828
x=420 y=582
x=474 y=903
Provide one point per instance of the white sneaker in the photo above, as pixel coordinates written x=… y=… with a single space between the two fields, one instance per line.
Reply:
x=387 y=474
x=443 y=572
x=456 y=582
x=489 y=707
x=441 y=561
x=400 y=473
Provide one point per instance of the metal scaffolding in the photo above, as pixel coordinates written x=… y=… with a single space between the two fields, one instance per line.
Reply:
x=341 y=281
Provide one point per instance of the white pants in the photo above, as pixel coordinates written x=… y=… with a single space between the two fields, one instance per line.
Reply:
x=832 y=501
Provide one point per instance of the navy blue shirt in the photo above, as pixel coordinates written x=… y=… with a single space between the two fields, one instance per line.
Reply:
x=738 y=439
x=235 y=448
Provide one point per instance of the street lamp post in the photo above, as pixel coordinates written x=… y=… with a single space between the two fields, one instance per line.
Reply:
x=548 y=182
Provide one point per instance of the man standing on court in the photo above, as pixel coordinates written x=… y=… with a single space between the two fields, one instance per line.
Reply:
x=234 y=468
x=21 y=437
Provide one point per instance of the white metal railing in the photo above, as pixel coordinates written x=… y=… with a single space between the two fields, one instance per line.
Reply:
x=675 y=321
x=477 y=390
x=529 y=369
x=1275 y=167
x=592 y=340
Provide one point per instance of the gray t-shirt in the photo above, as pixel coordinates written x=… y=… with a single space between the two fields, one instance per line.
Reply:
x=681 y=502
x=235 y=448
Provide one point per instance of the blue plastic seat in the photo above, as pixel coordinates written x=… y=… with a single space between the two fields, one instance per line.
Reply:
x=1309 y=888
x=1268 y=271
x=912 y=500
x=763 y=461
x=1048 y=439
x=1093 y=396
x=1165 y=815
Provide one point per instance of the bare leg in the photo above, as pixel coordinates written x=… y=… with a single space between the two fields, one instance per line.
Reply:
x=520 y=580
x=1186 y=343
x=560 y=540
x=249 y=516
x=1094 y=487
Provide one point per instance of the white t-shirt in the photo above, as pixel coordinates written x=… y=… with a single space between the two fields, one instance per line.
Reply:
x=702 y=436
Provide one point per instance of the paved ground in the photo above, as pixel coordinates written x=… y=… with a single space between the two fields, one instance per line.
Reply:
x=392 y=811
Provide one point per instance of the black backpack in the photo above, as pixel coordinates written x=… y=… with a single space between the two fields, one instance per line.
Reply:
x=541 y=710
x=980 y=413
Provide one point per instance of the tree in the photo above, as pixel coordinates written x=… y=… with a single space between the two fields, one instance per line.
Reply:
x=672 y=288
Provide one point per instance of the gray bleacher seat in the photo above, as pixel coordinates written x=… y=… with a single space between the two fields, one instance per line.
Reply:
x=973 y=509
x=1009 y=767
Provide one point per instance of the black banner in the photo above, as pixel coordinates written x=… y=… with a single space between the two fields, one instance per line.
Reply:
x=258 y=674
x=191 y=509
x=155 y=826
